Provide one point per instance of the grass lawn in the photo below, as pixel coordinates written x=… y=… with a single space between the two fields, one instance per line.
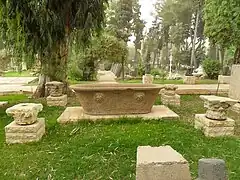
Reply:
x=158 y=81
x=17 y=74
x=107 y=150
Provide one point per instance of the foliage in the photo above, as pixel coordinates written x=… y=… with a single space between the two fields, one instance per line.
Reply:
x=222 y=23
x=212 y=68
x=104 y=48
x=48 y=28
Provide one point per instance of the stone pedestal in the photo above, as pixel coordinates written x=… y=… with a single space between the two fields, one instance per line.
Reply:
x=234 y=89
x=215 y=122
x=161 y=163
x=169 y=96
x=26 y=127
x=57 y=101
x=147 y=79
x=106 y=77
x=189 y=80
x=16 y=133
x=214 y=128
x=56 y=97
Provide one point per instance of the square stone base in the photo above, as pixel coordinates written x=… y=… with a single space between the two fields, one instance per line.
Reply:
x=57 y=101
x=75 y=114
x=213 y=128
x=24 y=134
x=170 y=100
x=189 y=80
x=161 y=163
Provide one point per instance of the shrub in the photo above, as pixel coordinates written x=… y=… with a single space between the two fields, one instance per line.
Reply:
x=211 y=68
x=155 y=72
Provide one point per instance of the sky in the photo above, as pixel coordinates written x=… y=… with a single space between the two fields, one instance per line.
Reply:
x=147 y=7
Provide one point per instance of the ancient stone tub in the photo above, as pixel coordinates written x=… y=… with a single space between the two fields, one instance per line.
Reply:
x=116 y=99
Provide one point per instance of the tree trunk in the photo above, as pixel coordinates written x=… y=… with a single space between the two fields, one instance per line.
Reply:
x=193 y=54
x=221 y=58
x=237 y=56
x=123 y=69
x=136 y=61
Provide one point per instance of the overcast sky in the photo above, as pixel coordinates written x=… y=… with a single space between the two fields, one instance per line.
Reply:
x=146 y=9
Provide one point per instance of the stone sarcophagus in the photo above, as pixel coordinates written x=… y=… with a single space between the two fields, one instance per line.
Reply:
x=116 y=99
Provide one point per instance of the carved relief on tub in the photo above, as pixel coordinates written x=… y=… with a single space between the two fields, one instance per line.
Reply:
x=139 y=96
x=99 y=97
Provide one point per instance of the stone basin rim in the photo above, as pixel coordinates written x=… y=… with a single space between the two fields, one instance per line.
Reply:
x=110 y=87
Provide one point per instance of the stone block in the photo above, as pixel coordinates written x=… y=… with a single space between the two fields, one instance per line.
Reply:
x=189 y=80
x=170 y=100
x=25 y=113
x=16 y=133
x=224 y=79
x=57 y=101
x=214 y=128
x=147 y=79
x=161 y=163
x=234 y=89
x=212 y=169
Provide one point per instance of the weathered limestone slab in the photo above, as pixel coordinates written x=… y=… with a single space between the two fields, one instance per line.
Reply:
x=57 y=101
x=147 y=79
x=224 y=79
x=16 y=133
x=189 y=80
x=3 y=103
x=212 y=169
x=25 y=113
x=55 y=88
x=217 y=106
x=213 y=128
x=161 y=163
x=75 y=114
x=236 y=108
x=234 y=90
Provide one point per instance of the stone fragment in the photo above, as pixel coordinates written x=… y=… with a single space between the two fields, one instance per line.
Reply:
x=213 y=128
x=161 y=163
x=106 y=76
x=3 y=103
x=224 y=79
x=16 y=133
x=169 y=96
x=25 y=113
x=189 y=80
x=234 y=88
x=147 y=79
x=212 y=169
x=55 y=88
x=217 y=106
x=236 y=108
x=57 y=101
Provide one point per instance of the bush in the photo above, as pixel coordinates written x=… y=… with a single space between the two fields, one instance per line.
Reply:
x=155 y=72
x=211 y=68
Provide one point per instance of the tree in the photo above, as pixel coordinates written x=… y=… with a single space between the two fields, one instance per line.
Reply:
x=222 y=24
x=120 y=22
x=47 y=28
x=138 y=26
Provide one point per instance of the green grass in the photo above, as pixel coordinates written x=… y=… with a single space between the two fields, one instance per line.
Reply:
x=158 y=81
x=107 y=149
x=17 y=74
